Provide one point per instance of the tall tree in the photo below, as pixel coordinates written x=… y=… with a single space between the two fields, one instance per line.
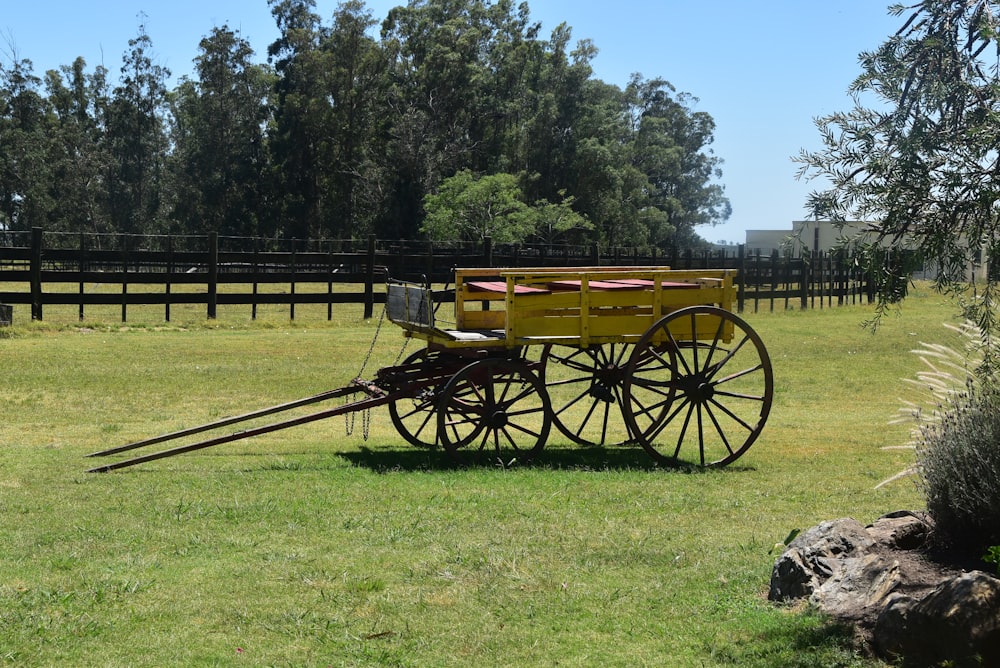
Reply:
x=218 y=125
x=24 y=174
x=920 y=161
x=670 y=146
x=299 y=137
x=432 y=51
x=75 y=149
x=137 y=139
x=556 y=102
x=354 y=80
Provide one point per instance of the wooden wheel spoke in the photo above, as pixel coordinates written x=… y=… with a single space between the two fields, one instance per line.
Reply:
x=655 y=433
x=658 y=386
x=648 y=411
x=729 y=356
x=575 y=400
x=572 y=363
x=739 y=395
x=519 y=427
x=736 y=418
x=569 y=381
x=716 y=340
x=739 y=374
x=718 y=428
x=423 y=422
x=505 y=403
x=687 y=421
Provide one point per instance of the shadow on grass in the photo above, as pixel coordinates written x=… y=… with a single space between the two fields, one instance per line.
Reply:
x=409 y=458
x=807 y=642
x=570 y=459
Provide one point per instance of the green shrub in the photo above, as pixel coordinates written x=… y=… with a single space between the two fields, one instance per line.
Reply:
x=957 y=440
x=958 y=458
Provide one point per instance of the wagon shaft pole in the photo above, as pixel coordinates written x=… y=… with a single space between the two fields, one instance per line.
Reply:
x=191 y=431
x=361 y=404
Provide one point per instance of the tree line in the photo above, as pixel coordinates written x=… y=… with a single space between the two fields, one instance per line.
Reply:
x=449 y=119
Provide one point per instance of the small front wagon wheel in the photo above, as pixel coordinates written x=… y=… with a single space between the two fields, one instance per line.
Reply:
x=699 y=387
x=585 y=388
x=414 y=417
x=494 y=411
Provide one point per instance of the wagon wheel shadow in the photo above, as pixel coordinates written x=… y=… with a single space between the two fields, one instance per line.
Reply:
x=568 y=459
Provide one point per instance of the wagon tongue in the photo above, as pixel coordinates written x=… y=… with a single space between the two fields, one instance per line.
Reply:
x=375 y=396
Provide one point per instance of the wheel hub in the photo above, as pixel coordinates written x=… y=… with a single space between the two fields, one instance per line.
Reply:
x=602 y=392
x=697 y=388
x=497 y=420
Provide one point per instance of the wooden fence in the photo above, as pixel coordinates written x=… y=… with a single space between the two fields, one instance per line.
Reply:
x=40 y=268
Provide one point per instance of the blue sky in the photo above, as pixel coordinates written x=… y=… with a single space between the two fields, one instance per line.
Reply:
x=763 y=69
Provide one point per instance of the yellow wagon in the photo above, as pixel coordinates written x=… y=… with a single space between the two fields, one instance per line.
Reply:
x=609 y=355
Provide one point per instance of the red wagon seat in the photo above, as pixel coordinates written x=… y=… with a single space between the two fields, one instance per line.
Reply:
x=647 y=283
x=501 y=287
x=594 y=285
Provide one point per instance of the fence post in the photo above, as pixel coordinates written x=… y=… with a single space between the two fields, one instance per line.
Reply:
x=487 y=251
x=36 y=273
x=595 y=254
x=774 y=276
x=170 y=273
x=124 y=249
x=430 y=264
x=256 y=268
x=804 y=277
x=329 y=281
x=81 y=265
x=741 y=276
x=756 y=280
x=291 y=296
x=370 y=279
x=213 y=274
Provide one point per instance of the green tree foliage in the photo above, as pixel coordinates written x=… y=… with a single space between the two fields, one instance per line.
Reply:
x=557 y=221
x=137 y=140
x=219 y=160
x=298 y=142
x=471 y=208
x=23 y=168
x=77 y=153
x=350 y=130
x=917 y=155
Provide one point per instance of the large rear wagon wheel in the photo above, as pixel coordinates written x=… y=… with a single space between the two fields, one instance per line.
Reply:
x=699 y=387
x=494 y=411
x=585 y=388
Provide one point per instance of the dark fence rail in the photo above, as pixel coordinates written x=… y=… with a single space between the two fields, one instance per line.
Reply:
x=40 y=268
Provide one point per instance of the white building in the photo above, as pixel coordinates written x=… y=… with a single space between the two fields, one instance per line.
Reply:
x=824 y=236
x=811 y=235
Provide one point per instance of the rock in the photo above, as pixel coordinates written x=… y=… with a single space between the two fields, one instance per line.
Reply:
x=859 y=589
x=880 y=579
x=814 y=556
x=958 y=622
x=903 y=530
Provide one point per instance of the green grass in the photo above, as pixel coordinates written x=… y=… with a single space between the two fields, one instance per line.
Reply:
x=309 y=547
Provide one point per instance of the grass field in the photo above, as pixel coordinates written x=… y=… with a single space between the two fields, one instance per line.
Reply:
x=309 y=547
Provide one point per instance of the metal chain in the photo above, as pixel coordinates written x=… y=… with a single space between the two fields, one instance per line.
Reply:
x=366 y=417
x=371 y=348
